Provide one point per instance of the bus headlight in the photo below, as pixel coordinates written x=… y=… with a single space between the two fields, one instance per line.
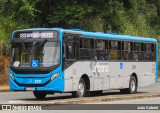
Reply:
x=54 y=76
x=11 y=75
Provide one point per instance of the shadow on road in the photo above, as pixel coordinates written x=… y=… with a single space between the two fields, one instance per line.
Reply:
x=69 y=96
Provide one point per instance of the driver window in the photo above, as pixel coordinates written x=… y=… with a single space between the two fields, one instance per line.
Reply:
x=69 y=50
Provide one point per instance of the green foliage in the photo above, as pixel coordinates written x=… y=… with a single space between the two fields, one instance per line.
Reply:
x=16 y=14
x=97 y=24
x=72 y=15
x=134 y=17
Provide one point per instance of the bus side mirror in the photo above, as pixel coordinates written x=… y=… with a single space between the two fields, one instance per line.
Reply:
x=4 y=52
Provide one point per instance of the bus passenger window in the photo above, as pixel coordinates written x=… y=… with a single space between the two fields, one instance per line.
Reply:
x=136 y=56
x=115 y=50
x=152 y=48
x=114 y=45
x=147 y=51
x=127 y=51
x=153 y=54
x=101 y=52
x=148 y=47
x=87 y=43
x=141 y=53
x=86 y=51
x=126 y=46
x=138 y=51
x=137 y=46
x=131 y=46
x=150 y=52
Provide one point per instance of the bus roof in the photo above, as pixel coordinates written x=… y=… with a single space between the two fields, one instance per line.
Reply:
x=101 y=35
x=113 y=36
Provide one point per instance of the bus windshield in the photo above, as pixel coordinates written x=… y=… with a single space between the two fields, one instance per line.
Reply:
x=44 y=52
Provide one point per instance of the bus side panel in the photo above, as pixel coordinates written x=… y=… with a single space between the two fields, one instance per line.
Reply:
x=147 y=73
x=115 y=76
x=119 y=74
x=129 y=69
x=73 y=74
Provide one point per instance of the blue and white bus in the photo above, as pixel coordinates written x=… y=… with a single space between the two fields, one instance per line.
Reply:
x=50 y=60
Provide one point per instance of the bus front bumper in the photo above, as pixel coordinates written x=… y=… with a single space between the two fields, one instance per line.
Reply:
x=56 y=85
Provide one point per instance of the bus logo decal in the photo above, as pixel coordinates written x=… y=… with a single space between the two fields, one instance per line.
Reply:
x=100 y=68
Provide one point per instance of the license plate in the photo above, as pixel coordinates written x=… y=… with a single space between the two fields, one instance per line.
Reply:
x=30 y=89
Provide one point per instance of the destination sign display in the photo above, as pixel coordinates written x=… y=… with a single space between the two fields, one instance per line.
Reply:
x=36 y=34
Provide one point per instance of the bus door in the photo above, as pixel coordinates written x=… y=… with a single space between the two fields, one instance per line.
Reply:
x=70 y=56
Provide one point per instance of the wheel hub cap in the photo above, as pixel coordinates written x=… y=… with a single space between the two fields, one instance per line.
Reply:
x=133 y=85
x=81 y=89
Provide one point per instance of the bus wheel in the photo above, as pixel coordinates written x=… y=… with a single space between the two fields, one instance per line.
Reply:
x=132 y=86
x=40 y=94
x=81 y=89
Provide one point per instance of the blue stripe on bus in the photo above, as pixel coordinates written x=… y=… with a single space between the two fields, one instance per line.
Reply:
x=122 y=37
x=109 y=35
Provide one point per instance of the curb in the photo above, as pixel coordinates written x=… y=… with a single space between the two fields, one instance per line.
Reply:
x=90 y=100
x=5 y=90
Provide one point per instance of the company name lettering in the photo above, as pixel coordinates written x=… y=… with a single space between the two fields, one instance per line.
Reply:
x=101 y=68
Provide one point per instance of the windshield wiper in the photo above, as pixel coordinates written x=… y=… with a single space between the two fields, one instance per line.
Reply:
x=41 y=44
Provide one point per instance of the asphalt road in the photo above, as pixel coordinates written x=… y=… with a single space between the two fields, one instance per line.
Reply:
x=20 y=97
x=124 y=105
x=123 y=102
x=135 y=101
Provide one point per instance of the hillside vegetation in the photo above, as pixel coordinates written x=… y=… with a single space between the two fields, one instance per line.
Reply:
x=133 y=17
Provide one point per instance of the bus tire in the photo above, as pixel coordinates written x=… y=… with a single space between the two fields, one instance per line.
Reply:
x=132 y=86
x=81 y=89
x=40 y=94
